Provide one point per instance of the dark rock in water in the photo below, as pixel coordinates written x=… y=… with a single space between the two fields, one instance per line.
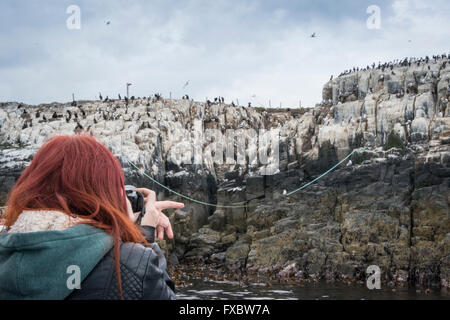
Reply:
x=218 y=257
x=236 y=256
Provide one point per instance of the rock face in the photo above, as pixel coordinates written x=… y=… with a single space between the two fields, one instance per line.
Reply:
x=388 y=206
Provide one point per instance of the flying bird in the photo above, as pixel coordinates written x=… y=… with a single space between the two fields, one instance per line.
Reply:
x=186 y=84
x=314 y=35
x=108 y=23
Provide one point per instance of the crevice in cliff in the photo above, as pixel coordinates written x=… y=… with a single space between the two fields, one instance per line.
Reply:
x=376 y=119
x=413 y=117
x=434 y=94
x=412 y=182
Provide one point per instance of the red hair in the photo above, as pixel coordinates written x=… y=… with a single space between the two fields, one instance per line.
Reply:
x=78 y=176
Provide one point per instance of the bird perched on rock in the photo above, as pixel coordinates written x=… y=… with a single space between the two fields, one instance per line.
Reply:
x=78 y=127
x=349 y=163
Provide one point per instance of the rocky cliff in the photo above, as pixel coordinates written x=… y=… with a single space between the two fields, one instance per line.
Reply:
x=387 y=206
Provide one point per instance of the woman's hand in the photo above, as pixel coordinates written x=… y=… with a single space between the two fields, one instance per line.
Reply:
x=154 y=217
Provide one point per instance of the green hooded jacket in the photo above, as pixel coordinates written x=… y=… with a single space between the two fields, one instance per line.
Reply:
x=45 y=265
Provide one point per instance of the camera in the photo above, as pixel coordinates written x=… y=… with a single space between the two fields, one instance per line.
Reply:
x=137 y=201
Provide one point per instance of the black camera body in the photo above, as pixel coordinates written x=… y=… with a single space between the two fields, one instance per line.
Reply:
x=137 y=201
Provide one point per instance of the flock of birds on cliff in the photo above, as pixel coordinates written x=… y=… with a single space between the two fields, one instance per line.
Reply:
x=108 y=113
x=351 y=92
x=407 y=62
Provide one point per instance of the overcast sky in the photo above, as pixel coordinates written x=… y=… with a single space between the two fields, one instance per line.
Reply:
x=246 y=50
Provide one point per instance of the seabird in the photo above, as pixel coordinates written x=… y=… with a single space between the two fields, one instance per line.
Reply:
x=313 y=35
x=78 y=127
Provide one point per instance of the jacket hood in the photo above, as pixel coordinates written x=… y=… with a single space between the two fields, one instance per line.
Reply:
x=41 y=254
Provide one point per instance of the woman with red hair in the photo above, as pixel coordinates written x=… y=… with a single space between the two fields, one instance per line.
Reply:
x=71 y=234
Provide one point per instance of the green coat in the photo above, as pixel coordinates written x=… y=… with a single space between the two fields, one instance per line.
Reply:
x=40 y=265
